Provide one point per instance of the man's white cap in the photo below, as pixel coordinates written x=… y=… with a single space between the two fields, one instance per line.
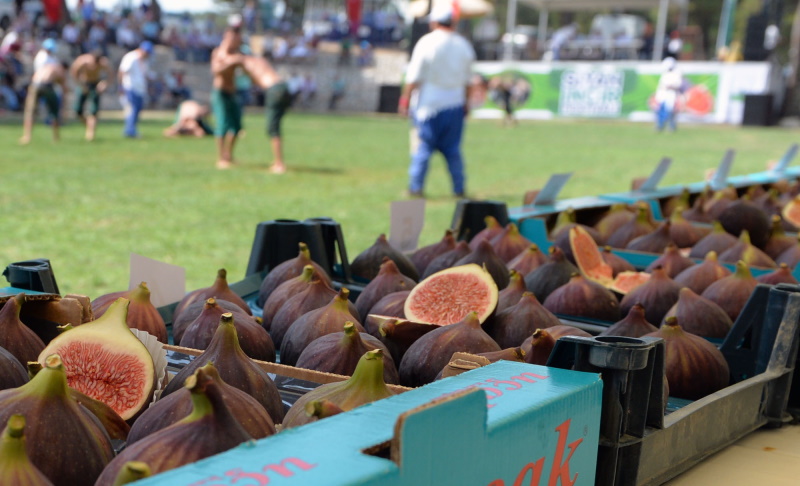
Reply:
x=442 y=13
x=668 y=63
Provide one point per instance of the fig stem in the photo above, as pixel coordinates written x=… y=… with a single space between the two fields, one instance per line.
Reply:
x=12 y=445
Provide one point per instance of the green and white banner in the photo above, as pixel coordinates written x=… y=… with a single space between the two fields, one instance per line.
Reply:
x=713 y=92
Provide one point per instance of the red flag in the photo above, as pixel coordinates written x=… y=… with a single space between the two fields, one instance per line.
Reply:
x=52 y=8
x=354 y=14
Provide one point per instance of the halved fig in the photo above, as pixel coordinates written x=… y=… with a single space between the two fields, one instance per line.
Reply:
x=106 y=361
x=446 y=297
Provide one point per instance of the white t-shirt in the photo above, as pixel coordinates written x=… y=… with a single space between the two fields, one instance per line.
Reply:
x=134 y=72
x=43 y=58
x=442 y=65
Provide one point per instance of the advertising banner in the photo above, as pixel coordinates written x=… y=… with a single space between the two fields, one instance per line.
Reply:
x=711 y=93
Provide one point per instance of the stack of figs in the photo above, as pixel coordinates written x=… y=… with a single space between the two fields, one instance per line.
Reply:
x=509 y=310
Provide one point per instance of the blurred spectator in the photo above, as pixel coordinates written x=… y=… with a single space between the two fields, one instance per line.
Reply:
x=97 y=38
x=280 y=49
x=10 y=70
x=674 y=45
x=337 y=91
x=249 y=16
x=176 y=85
x=267 y=46
x=151 y=29
x=155 y=88
x=71 y=34
x=300 y=51
x=87 y=10
x=174 y=38
x=560 y=39
x=344 y=52
x=308 y=90
x=365 y=54
x=126 y=35
x=208 y=41
x=194 y=45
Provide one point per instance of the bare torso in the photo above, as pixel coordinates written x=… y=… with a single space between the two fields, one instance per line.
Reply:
x=261 y=72
x=223 y=68
x=87 y=70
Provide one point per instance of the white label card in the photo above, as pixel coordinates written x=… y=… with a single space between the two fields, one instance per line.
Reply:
x=167 y=282
x=407 y=219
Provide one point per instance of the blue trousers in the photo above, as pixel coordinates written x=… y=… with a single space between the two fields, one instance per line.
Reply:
x=441 y=132
x=665 y=116
x=136 y=102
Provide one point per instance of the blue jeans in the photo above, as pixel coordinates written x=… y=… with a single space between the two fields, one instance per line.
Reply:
x=441 y=132
x=665 y=116
x=136 y=102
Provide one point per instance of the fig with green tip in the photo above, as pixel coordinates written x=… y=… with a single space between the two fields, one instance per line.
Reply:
x=254 y=339
x=491 y=229
x=219 y=290
x=657 y=296
x=210 y=429
x=671 y=261
x=252 y=416
x=509 y=243
x=550 y=276
x=15 y=466
x=286 y=291
x=743 y=250
x=110 y=420
x=388 y=280
x=732 y=292
x=636 y=227
x=365 y=386
x=316 y=323
x=142 y=314
x=528 y=260
x=694 y=367
x=368 y=263
x=339 y=353
x=782 y=274
x=634 y=324
x=63 y=439
x=235 y=368
x=511 y=326
x=430 y=353
x=447 y=259
x=422 y=257
x=700 y=276
x=131 y=472
x=700 y=316
x=288 y=270
x=718 y=240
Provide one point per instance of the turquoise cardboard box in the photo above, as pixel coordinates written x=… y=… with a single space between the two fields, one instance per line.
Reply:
x=503 y=424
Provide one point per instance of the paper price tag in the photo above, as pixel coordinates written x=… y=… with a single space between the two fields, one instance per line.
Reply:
x=407 y=219
x=167 y=282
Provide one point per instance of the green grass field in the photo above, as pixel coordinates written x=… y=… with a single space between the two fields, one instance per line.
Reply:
x=86 y=207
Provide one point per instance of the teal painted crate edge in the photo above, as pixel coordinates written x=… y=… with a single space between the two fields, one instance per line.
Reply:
x=482 y=427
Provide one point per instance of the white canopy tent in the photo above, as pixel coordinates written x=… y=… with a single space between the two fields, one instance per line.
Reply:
x=546 y=6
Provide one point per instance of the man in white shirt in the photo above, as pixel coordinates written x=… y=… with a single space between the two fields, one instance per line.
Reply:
x=668 y=94
x=132 y=78
x=438 y=79
x=46 y=55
